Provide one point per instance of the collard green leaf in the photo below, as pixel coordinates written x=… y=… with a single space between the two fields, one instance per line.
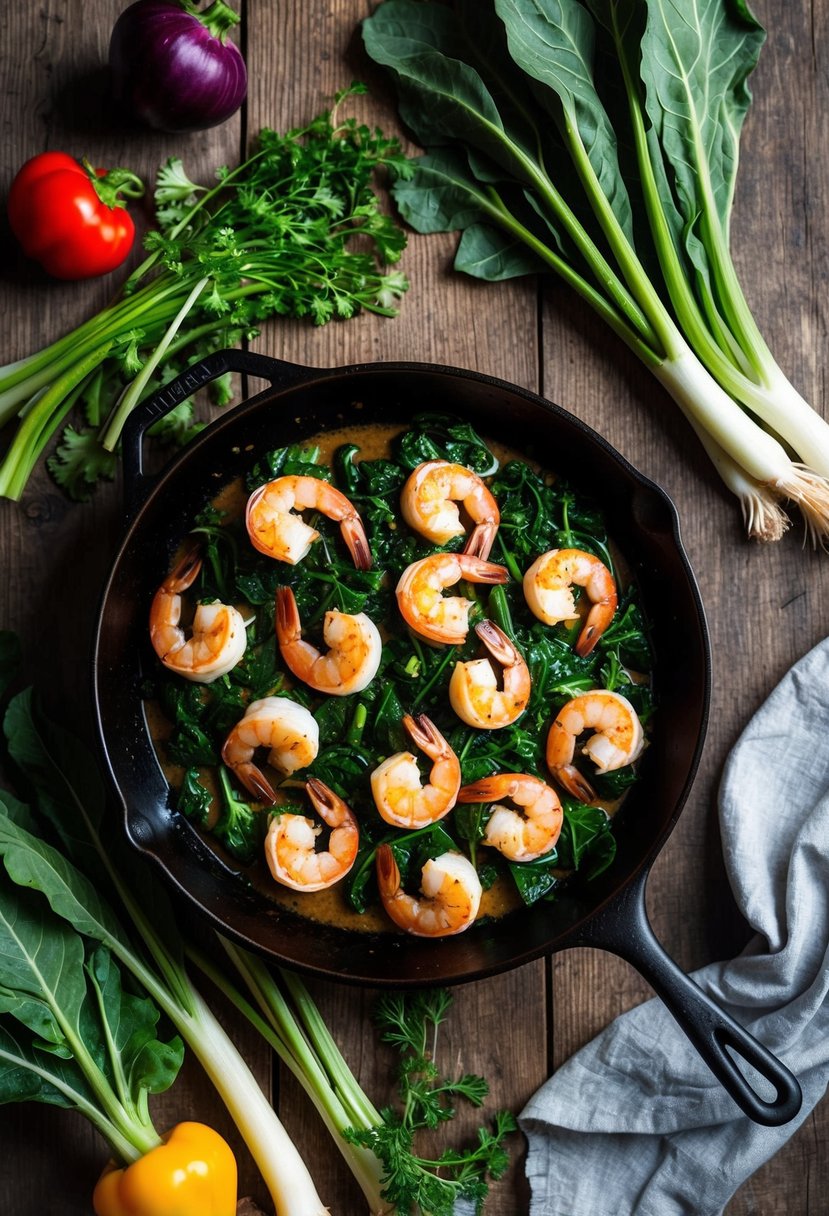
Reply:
x=687 y=68
x=27 y=1075
x=445 y=195
x=194 y=800
x=43 y=987
x=69 y=793
x=696 y=58
x=31 y=862
x=41 y=968
x=147 y=1064
x=535 y=879
x=64 y=776
x=484 y=43
x=488 y=253
x=586 y=839
x=442 y=98
x=17 y=811
x=239 y=827
x=553 y=41
x=442 y=195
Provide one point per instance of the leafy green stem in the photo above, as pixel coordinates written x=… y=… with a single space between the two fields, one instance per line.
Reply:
x=42 y=421
x=622 y=319
x=723 y=357
x=663 y=331
x=122 y=1145
x=29 y=376
x=113 y=429
x=332 y=1088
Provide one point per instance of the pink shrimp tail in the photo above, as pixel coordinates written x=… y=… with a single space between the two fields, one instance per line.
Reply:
x=254 y=781
x=288 y=625
x=598 y=619
x=326 y=803
x=487 y=789
x=354 y=535
x=480 y=571
x=576 y=785
x=481 y=539
x=425 y=735
x=388 y=872
x=497 y=643
x=184 y=573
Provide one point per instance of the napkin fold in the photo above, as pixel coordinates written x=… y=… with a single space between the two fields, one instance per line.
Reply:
x=686 y=1146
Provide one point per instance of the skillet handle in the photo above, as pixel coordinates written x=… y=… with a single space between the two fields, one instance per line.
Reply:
x=195 y=377
x=624 y=929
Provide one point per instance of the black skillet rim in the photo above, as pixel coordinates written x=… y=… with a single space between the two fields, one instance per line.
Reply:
x=381 y=960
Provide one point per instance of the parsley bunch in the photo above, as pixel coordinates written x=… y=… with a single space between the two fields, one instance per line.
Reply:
x=411 y=1182
x=274 y=237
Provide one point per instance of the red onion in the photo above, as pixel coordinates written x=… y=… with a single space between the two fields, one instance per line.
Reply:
x=172 y=67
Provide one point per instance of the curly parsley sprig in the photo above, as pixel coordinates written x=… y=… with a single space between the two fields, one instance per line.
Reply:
x=411 y=1182
x=273 y=237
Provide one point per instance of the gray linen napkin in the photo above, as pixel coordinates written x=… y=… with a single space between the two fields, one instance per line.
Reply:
x=635 y=1122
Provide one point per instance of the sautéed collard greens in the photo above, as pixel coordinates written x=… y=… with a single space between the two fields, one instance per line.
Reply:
x=357 y=732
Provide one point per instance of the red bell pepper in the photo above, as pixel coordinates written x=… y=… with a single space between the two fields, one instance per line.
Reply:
x=69 y=217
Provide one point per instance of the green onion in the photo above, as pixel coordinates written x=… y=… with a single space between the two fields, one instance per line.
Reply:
x=523 y=155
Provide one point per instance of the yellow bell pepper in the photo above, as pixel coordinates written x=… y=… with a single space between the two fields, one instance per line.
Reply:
x=193 y=1173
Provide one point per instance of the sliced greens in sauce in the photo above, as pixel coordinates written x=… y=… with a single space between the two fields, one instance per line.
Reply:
x=539 y=512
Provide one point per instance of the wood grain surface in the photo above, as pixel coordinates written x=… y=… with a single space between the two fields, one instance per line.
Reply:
x=766 y=606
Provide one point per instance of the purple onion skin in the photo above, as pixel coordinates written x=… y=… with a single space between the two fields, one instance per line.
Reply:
x=171 y=72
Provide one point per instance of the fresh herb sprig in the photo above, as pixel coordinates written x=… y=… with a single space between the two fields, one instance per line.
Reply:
x=410 y=1023
x=274 y=237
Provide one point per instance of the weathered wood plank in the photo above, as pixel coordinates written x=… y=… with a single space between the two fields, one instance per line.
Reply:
x=765 y=606
x=55 y=554
x=299 y=56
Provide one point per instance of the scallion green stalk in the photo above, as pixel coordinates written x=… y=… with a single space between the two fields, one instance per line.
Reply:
x=303 y=1043
x=282 y=1168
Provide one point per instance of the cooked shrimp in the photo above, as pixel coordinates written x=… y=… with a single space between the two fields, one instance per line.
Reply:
x=473 y=688
x=548 y=591
x=276 y=530
x=428 y=505
x=451 y=894
x=286 y=729
x=354 y=653
x=289 y=844
x=217 y=640
x=442 y=618
x=399 y=795
x=618 y=738
x=520 y=837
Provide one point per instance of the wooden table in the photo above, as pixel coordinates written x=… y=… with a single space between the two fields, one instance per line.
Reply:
x=766 y=606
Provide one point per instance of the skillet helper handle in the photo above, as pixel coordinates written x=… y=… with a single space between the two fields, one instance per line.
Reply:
x=624 y=929
x=167 y=398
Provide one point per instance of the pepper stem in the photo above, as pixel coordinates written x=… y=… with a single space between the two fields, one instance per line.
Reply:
x=109 y=185
x=217 y=18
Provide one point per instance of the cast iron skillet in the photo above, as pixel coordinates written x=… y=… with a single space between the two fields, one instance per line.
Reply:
x=608 y=912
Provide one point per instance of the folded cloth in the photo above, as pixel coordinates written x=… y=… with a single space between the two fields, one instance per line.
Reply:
x=635 y=1122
